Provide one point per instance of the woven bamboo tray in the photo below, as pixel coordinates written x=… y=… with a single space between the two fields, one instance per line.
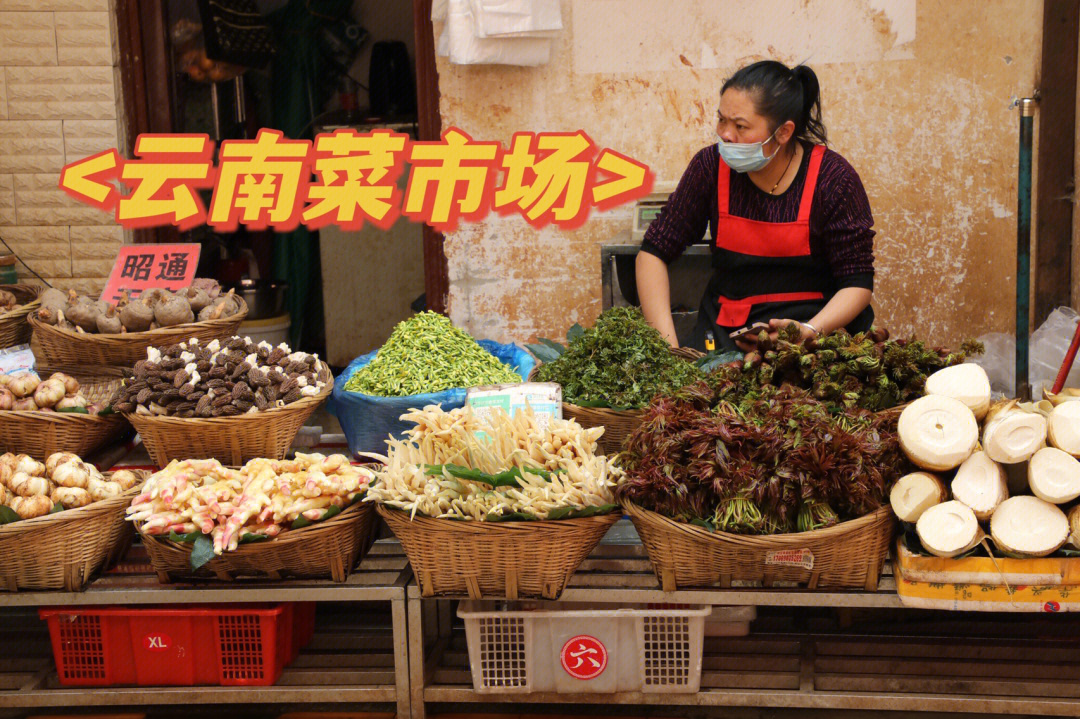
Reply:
x=617 y=423
x=64 y=347
x=509 y=560
x=14 y=329
x=40 y=434
x=684 y=556
x=327 y=549
x=64 y=550
x=232 y=440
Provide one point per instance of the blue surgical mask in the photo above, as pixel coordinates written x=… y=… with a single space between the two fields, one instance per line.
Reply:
x=745 y=156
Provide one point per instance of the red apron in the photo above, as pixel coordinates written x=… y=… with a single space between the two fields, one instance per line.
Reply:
x=756 y=239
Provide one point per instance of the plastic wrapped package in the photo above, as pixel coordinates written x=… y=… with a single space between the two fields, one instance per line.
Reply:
x=516 y=18
x=368 y=420
x=1046 y=352
x=466 y=48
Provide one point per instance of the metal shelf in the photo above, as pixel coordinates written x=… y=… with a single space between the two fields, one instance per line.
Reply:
x=350 y=662
x=840 y=670
x=382 y=575
x=351 y=659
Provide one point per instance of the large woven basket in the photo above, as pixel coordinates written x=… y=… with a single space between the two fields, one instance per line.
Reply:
x=327 y=549
x=64 y=550
x=850 y=554
x=64 y=347
x=509 y=560
x=232 y=440
x=39 y=434
x=14 y=329
x=617 y=423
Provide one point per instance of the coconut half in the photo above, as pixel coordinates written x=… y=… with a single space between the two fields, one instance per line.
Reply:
x=1029 y=526
x=981 y=484
x=1054 y=476
x=915 y=493
x=1063 y=427
x=965 y=382
x=937 y=432
x=948 y=529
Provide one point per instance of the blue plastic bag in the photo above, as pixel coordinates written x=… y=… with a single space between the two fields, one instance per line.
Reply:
x=368 y=420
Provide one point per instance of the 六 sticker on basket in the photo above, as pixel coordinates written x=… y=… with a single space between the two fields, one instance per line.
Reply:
x=791 y=558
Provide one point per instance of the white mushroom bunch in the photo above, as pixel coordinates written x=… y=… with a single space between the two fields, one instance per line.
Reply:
x=31 y=488
x=263 y=498
x=459 y=465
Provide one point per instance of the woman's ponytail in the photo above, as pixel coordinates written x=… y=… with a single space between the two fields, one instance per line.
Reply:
x=813 y=128
x=781 y=93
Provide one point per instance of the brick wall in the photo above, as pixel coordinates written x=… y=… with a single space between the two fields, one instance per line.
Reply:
x=59 y=102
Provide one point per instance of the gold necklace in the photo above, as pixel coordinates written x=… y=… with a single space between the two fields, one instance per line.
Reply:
x=786 y=168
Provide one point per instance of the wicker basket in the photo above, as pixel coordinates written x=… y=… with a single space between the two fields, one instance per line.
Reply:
x=617 y=423
x=39 y=434
x=324 y=549
x=14 y=329
x=232 y=440
x=64 y=347
x=64 y=550
x=850 y=554
x=509 y=560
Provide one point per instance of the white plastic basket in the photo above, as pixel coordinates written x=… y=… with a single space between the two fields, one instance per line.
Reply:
x=570 y=648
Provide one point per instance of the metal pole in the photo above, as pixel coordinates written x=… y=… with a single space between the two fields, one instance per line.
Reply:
x=1023 y=249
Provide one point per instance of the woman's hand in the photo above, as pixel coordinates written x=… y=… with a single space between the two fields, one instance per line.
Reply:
x=776 y=325
x=748 y=342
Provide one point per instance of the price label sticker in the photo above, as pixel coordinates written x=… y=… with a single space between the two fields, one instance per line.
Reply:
x=142 y=267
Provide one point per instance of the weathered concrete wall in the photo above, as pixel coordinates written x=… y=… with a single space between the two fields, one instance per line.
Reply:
x=58 y=103
x=916 y=95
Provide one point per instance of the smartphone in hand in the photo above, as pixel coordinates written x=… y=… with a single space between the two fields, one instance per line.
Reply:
x=752 y=331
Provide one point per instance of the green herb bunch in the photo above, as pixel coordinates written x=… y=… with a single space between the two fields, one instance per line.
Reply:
x=866 y=370
x=426 y=353
x=621 y=363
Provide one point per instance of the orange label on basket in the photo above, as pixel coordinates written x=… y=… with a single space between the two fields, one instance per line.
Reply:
x=791 y=558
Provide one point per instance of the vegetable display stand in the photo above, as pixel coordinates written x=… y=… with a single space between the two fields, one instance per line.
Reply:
x=39 y=434
x=617 y=423
x=233 y=440
x=65 y=549
x=230 y=645
x=327 y=549
x=496 y=559
x=54 y=345
x=584 y=648
x=14 y=329
x=850 y=554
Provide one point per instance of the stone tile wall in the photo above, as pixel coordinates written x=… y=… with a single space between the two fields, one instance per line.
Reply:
x=59 y=102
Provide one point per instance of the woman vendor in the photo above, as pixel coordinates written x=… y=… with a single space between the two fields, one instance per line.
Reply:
x=790 y=219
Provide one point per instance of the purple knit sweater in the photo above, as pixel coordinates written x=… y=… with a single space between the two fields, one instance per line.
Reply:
x=840 y=218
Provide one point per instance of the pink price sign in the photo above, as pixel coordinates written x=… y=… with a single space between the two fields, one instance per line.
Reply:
x=142 y=267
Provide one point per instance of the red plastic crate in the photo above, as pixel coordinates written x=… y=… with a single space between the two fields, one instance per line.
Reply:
x=228 y=645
